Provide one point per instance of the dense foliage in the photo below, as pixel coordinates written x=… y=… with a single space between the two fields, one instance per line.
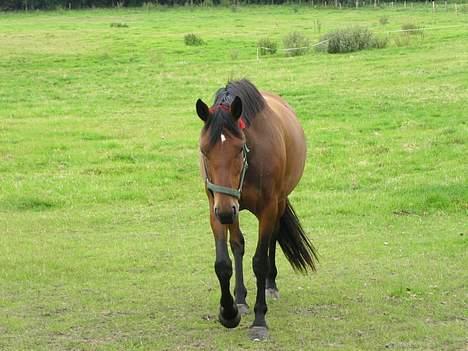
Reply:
x=351 y=39
x=77 y=4
x=267 y=46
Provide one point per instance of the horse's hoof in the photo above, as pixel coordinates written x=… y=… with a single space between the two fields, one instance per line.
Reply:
x=272 y=293
x=258 y=333
x=243 y=308
x=229 y=323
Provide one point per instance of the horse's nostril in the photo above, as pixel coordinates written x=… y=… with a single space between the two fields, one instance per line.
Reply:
x=216 y=212
x=234 y=210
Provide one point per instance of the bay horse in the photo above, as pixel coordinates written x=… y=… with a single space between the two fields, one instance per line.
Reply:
x=253 y=152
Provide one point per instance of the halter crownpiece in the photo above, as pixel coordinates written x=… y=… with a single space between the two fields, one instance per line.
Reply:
x=221 y=106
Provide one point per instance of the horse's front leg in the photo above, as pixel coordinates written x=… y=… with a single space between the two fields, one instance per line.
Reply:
x=267 y=222
x=229 y=315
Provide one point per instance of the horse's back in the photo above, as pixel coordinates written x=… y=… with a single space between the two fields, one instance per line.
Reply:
x=294 y=144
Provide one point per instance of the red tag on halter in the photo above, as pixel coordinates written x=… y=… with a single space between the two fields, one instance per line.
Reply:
x=241 y=123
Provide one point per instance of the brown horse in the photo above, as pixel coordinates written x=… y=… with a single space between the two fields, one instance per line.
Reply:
x=253 y=152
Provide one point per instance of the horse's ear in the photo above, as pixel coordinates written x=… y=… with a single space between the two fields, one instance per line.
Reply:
x=236 y=108
x=202 y=110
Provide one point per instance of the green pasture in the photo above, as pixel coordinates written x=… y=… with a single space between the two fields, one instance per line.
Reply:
x=104 y=235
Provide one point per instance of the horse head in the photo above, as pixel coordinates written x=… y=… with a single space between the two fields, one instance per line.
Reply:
x=224 y=156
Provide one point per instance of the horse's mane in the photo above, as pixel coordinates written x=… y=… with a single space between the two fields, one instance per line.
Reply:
x=252 y=103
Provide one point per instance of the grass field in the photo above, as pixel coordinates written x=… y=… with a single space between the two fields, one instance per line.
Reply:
x=104 y=235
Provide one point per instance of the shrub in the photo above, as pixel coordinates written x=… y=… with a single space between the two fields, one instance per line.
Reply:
x=379 y=42
x=296 y=44
x=119 y=25
x=193 y=40
x=412 y=29
x=402 y=40
x=351 y=39
x=266 y=46
x=383 y=20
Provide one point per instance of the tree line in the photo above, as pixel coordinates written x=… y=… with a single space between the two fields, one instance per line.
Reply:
x=18 y=5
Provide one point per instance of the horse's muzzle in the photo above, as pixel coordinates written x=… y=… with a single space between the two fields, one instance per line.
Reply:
x=226 y=217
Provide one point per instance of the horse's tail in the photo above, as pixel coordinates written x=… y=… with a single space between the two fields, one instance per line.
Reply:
x=297 y=248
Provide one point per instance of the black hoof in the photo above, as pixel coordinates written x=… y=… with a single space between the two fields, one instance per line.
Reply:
x=243 y=308
x=229 y=323
x=258 y=333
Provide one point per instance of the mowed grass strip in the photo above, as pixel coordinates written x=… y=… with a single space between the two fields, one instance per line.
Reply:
x=104 y=235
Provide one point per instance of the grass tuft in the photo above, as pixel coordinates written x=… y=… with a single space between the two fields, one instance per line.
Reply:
x=192 y=39
x=383 y=20
x=31 y=204
x=119 y=25
x=412 y=29
x=267 y=46
x=296 y=44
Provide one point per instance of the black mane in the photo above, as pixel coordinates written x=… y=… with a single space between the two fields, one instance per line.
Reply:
x=252 y=103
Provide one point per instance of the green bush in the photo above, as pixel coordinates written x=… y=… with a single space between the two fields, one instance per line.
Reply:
x=119 y=25
x=412 y=29
x=266 y=46
x=193 y=40
x=351 y=39
x=296 y=44
x=379 y=42
x=402 y=40
x=383 y=20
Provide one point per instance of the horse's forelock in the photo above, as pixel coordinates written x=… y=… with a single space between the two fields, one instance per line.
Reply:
x=219 y=122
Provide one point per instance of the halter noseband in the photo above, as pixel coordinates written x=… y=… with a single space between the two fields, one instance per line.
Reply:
x=225 y=190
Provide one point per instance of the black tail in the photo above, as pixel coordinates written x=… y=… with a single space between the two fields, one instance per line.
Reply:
x=293 y=241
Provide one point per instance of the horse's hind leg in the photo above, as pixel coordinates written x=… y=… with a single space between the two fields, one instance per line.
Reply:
x=237 y=246
x=271 y=288
x=259 y=329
